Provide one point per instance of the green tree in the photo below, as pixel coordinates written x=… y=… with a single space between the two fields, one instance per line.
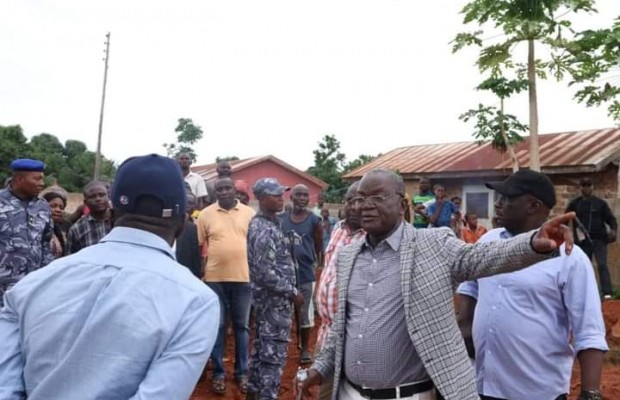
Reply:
x=595 y=66
x=493 y=124
x=13 y=145
x=71 y=165
x=78 y=167
x=530 y=21
x=329 y=165
x=187 y=135
x=358 y=162
x=47 y=148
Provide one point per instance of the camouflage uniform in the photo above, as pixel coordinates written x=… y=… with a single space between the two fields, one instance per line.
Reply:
x=25 y=234
x=272 y=280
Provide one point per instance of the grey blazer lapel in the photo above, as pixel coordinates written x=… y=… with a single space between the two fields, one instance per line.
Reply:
x=406 y=265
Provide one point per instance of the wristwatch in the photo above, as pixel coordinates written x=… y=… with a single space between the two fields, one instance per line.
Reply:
x=590 y=395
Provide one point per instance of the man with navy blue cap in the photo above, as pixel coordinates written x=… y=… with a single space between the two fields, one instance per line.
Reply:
x=120 y=319
x=25 y=224
x=272 y=278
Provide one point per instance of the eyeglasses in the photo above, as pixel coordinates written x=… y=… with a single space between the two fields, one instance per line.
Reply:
x=374 y=200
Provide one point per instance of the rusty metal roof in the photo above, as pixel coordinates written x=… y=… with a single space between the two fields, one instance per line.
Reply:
x=568 y=152
x=208 y=171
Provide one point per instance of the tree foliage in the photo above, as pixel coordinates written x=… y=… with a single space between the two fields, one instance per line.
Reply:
x=358 y=162
x=489 y=121
x=493 y=125
x=595 y=68
x=534 y=22
x=187 y=135
x=329 y=165
x=70 y=165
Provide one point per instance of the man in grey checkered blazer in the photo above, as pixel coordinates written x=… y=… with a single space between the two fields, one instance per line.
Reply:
x=395 y=333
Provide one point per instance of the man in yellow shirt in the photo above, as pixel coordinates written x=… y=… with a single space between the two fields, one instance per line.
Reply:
x=223 y=227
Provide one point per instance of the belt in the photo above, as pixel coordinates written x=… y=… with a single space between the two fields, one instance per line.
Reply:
x=393 y=393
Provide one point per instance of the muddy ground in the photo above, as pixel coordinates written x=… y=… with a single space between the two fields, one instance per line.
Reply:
x=610 y=381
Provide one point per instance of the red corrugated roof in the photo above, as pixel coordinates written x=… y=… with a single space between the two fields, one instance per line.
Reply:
x=208 y=171
x=558 y=151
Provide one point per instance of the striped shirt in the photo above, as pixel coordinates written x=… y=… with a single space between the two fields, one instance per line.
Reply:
x=86 y=232
x=327 y=290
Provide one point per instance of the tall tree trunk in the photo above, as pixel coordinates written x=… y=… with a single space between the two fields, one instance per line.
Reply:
x=509 y=146
x=531 y=77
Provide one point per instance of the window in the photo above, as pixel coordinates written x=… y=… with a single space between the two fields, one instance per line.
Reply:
x=478 y=203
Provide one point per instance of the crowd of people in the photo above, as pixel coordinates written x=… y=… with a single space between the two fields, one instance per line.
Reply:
x=142 y=282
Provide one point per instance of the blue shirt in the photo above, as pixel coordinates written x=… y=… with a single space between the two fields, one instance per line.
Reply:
x=445 y=215
x=118 y=320
x=524 y=320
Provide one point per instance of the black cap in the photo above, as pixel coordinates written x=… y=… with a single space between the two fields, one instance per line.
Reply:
x=526 y=181
x=154 y=177
x=585 y=181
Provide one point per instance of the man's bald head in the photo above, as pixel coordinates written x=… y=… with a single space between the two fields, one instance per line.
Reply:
x=300 y=196
x=299 y=187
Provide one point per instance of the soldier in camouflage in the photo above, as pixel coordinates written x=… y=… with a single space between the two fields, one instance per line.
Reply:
x=25 y=224
x=272 y=279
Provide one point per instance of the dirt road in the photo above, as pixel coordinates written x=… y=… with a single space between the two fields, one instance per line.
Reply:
x=610 y=382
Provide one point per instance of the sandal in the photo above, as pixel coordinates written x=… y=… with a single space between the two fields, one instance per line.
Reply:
x=243 y=384
x=218 y=385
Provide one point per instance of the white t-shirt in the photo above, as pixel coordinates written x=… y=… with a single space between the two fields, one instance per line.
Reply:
x=197 y=184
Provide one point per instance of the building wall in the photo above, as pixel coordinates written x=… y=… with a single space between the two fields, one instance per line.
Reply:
x=605 y=187
x=270 y=169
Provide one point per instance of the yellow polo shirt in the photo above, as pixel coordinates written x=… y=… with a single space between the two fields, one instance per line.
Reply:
x=225 y=232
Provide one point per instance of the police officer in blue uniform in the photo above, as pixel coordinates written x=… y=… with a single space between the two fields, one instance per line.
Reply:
x=25 y=224
x=272 y=279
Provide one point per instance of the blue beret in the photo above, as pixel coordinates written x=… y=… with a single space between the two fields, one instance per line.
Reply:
x=26 y=164
x=268 y=186
x=154 y=177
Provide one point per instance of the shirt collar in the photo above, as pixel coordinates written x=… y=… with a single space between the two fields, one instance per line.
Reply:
x=393 y=240
x=504 y=234
x=235 y=207
x=9 y=189
x=138 y=237
x=90 y=218
x=343 y=225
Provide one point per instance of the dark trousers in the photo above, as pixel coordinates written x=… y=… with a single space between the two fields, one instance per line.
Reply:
x=482 y=397
x=235 y=298
x=598 y=249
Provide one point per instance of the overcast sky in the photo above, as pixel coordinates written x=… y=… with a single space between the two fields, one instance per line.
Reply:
x=260 y=77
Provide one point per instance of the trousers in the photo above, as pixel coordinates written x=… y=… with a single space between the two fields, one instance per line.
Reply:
x=598 y=249
x=272 y=327
x=234 y=301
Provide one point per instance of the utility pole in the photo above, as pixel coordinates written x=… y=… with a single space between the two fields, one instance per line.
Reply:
x=105 y=81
